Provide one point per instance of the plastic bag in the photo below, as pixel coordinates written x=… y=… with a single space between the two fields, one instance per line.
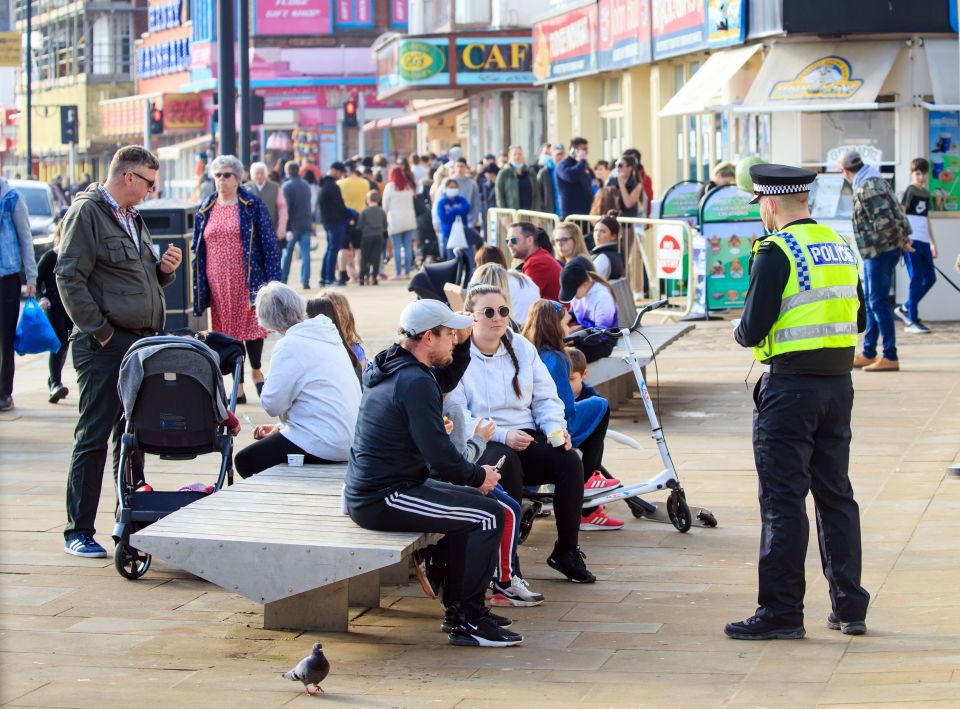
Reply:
x=458 y=236
x=34 y=332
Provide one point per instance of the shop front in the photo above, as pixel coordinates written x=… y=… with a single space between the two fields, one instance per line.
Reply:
x=490 y=73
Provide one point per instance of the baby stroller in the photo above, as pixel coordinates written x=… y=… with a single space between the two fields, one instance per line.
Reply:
x=173 y=398
x=429 y=281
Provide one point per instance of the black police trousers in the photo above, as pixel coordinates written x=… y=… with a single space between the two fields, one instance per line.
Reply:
x=801 y=443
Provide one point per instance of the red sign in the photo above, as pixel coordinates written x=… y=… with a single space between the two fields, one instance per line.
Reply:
x=292 y=17
x=679 y=26
x=354 y=12
x=624 y=27
x=184 y=112
x=566 y=45
x=669 y=257
x=398 y=12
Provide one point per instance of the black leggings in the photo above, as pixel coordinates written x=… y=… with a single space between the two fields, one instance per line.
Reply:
x=542 y=464
x=591 y=450
x=268 y=452
x=254 y=354
x=62 y=325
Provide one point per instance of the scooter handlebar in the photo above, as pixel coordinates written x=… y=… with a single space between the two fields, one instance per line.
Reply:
x=596 y=332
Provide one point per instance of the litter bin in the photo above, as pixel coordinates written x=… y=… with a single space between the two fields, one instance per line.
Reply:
x=170 y=221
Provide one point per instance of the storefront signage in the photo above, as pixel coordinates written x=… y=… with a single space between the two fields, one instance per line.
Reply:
x=494 y=60
x=828 y=78
x=354 y=13
x=565 y=46
x=871 y=154
x=729 y=225
x=944 y=154
x=726 y=22
x=183 y=112
x=163 y=17
x=292 y=17
x=398 y=13
x=624 y=28
x=163 y=58
x=10 y=49
x=413 y=62
x=680 y=202
x=679 y=27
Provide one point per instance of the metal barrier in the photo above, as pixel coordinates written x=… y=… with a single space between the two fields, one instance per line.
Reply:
x=545 y=220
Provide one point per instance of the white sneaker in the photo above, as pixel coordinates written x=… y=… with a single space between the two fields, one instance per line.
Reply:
x=917 y=328
x=518 y=593
x=902 y=313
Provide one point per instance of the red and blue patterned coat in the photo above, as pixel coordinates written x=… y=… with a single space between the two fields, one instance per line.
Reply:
x=261 y=252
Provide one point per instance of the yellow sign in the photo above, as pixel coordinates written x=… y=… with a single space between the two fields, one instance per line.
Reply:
x=826 y=78
x=10 y=53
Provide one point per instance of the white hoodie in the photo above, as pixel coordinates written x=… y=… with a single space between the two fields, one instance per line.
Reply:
x=486 y=391
x=314 y=390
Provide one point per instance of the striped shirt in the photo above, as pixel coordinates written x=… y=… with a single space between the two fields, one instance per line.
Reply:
x=125 y=217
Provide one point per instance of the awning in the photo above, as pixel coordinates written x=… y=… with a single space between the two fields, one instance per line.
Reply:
x=943 y=58
x=173 y=152
x=705 y=88
x=424 y=110
x=822 y=76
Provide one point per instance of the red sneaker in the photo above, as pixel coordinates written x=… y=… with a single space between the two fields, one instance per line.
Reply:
x=144 y=488
x=597 y=484
x=599 y=521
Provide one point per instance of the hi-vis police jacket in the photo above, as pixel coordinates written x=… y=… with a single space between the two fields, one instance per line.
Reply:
x=819 y=303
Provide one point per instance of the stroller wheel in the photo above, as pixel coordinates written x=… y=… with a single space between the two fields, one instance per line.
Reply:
x=678 y=511
x=528 y=513
x=130 y=563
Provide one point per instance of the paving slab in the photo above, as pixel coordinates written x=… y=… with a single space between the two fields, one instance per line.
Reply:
x=649 y=633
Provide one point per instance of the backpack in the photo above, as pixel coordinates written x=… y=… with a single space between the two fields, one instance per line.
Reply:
x=10 y=257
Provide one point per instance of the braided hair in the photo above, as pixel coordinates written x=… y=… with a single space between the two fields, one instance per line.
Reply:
x=478 y=292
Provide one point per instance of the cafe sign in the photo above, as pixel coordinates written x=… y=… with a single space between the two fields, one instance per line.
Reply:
x=494 y=60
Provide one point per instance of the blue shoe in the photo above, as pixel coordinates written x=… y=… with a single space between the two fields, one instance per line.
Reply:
x=85 y=546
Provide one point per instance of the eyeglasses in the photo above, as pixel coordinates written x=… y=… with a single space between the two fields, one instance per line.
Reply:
x=503 y=311
x=224 y=175
x=150 y=183
x=562 y=240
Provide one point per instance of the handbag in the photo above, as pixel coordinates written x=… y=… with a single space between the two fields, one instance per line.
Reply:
x=34 y=332
x=458 y=236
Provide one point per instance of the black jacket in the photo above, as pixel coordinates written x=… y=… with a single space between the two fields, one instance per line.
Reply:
x=332 y=209
x=399 y=438
x=612 y=251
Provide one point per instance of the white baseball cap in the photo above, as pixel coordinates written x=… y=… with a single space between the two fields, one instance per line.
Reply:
x=423 y=315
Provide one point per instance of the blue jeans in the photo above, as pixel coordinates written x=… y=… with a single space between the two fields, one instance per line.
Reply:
x=302 y=238
x=335 y=234
x=403 y=239
x=922 y=276
x=877 y=278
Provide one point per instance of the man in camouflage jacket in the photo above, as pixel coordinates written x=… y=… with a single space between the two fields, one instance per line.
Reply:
x=882 y=232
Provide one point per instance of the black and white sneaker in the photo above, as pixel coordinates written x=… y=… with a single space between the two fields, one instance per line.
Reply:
x=902 y=313
x=452 y=620
x=483 y=632
x=515 y=593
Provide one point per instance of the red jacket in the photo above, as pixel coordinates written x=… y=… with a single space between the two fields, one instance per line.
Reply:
x=544 y=270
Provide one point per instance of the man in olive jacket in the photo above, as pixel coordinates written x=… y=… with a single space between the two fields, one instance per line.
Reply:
x=110 y=280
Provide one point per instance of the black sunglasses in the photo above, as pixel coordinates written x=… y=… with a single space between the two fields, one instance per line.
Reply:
x=225 y=175
x=503 y=311
x=150 y=183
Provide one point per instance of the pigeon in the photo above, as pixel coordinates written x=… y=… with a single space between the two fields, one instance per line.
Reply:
x=311 y=670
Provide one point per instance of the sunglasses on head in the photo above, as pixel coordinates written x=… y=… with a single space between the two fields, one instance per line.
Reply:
x=503 y=311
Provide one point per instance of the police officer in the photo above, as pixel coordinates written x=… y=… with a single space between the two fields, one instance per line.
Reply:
x=803 y=311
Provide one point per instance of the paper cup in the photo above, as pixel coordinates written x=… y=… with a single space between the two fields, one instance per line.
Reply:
x=295 y=460
x=557 y=438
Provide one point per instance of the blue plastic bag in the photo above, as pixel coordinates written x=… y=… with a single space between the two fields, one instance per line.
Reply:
x=34 y=332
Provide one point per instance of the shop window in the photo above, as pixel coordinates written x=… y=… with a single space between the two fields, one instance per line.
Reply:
x=472 y=12
x=611 y=118
x=829 y=130
x=436 y=15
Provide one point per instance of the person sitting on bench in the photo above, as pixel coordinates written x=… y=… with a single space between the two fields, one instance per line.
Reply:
x=400 y=439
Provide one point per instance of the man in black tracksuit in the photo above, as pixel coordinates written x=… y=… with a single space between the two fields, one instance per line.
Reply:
x=400 y=440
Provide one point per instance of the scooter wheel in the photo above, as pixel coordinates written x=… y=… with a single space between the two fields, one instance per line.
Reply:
x=129 y=562
x=527 y=515
x=707 y=518
x=678 y=511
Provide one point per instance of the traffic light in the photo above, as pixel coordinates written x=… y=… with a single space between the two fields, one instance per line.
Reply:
x=69 y=125
x=350 y=114
x=156 y=121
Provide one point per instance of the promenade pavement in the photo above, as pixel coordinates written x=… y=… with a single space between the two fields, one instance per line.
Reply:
x=73 y=633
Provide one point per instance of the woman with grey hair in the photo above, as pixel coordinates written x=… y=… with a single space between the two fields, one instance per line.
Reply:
x=317 y=405
x=235 y=254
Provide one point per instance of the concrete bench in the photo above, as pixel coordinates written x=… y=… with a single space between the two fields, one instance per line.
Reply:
x=611 y=375
x=281 y=539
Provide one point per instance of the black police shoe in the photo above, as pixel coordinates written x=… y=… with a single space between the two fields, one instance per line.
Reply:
x=571 y=564
x=757 y=628
x=854 y=627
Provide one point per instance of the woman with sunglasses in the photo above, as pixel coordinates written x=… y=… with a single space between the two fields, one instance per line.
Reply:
x=508 y=383
x=630 y=185
x=235 y=254
x=587 y=419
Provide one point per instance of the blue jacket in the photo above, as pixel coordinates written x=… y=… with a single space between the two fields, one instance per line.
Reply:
x=448 y=210
x=574 y=186
x=582 y=415
x=261 y=253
